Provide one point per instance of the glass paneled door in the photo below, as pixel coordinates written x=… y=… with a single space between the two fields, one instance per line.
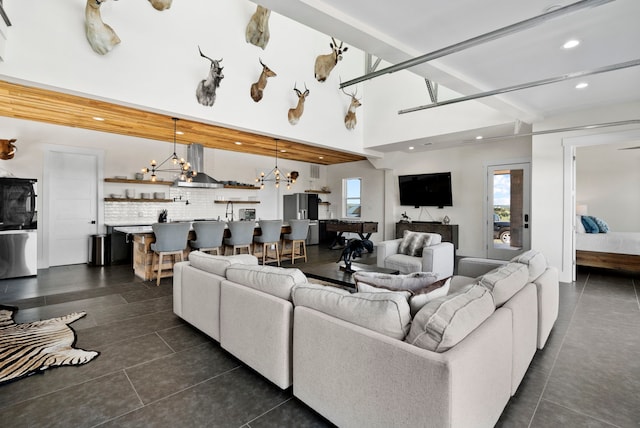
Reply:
x=508 y=216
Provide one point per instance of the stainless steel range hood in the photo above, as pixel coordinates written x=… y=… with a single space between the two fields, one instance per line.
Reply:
x=195 y=156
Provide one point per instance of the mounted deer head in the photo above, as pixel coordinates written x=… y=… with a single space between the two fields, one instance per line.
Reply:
x=295 y=113
x=257 y=32
x=101 y=37
x=160 y=4
x=206 y=91
x=350 y=118
x=7 y=149
x=258 y=87
x=325 y=63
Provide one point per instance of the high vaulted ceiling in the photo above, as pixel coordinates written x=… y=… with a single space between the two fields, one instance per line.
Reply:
x=607 y=30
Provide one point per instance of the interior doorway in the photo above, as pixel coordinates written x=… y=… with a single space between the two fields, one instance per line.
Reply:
x=508 y=210
x=71 y=186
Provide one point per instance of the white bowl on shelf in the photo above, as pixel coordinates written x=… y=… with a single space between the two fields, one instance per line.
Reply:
x=145 y=195
x=116 y=196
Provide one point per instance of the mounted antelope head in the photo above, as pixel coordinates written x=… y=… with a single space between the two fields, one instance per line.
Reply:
x=325 y=63
x=295 y=113
x=257 y=32
x=7 y=149
x=206 y=92
x=258 y=87
x=350 y=118
x=160 y=4
x=101 y=37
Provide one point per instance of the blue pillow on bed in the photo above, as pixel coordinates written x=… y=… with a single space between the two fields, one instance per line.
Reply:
x=590 y=225
x=602 y=226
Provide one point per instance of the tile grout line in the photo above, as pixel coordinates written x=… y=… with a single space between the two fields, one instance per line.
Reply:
x=248 y=423
x=584 y=414
x=544 y=388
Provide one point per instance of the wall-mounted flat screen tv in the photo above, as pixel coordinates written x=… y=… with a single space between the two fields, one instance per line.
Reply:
x=426 y=190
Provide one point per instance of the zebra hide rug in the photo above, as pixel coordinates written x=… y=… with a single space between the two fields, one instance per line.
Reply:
x=32 y=347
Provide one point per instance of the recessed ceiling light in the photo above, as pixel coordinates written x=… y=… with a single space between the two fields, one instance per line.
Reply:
x=101 y=119
x=238 y=143
x=283 y=151
x=570 y=44
x=479 y=137
x=582 y=85
x=179 y=133
x=320 y=157
x=411 y=148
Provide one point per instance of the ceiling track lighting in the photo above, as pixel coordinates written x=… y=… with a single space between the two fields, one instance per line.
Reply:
x=178 y=166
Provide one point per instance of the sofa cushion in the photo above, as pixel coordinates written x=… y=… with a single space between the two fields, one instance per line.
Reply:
x=219 y=264
x=273 y=280
x=434 y=291
x=411 y=281
x=444 y=322
x=535 y=261
x=505 y=281
x=403 y=263
x=413 y=242
x=386 y=313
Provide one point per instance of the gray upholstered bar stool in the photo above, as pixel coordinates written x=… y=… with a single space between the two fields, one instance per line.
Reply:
x=209 y=236
x=171 y=240
x=241 y=236
x=297 y=239
x=269 y=236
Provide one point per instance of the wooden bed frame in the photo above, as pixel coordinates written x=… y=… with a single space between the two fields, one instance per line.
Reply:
x=624 y=262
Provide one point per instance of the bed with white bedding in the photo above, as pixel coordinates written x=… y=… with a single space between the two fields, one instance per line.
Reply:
x=612 y=250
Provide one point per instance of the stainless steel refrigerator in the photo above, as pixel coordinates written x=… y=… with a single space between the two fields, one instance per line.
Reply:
x=303 y=205
x=18 y=228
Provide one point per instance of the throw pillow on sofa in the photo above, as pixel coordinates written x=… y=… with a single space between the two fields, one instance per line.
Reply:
x=444 y=322
x=411 y=281
x=420 y=288
x=386 y=313
x=590 y=226
x=218 y=264
x=413 y=242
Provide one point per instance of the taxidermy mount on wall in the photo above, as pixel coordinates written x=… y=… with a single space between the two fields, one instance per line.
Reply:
x=258 y=87
x=257 y=32
x=206 y=92
x=325 y=63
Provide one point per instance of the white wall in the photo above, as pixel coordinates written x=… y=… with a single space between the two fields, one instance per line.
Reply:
x=157 y=65
x=552 y=178
x=608 y=182
x=468 y=172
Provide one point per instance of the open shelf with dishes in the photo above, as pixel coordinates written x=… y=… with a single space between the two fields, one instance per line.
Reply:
x=136 y=200
x=239 y=186
x=132 y=181
x=236 y=201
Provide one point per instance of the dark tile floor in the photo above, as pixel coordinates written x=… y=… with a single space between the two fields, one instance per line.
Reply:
x=156 y=370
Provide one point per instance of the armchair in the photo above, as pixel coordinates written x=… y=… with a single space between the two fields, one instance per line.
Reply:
x=435 y=256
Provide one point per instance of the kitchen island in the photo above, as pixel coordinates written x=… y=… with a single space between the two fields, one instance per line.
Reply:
x=141 y=238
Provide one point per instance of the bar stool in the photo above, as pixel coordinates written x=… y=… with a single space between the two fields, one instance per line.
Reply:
x=297 y=237
x=241 y=236
x=171 y=240
x=269 y=235
x=209 y=236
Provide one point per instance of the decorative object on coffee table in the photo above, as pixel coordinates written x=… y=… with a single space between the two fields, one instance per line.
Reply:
x=352 y=250
x=36 y=346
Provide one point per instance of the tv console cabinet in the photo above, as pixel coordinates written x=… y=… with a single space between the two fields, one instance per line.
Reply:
x=449 y=232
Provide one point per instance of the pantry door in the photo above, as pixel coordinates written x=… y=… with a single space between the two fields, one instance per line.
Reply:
x=71 y=184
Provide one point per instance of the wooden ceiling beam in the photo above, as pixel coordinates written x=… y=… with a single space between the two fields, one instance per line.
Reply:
x=43 y=105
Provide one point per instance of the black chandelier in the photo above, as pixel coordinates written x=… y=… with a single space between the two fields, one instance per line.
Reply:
x=276 y=176
x=178 y=166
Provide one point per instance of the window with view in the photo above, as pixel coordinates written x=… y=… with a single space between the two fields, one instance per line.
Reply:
x=351 y=194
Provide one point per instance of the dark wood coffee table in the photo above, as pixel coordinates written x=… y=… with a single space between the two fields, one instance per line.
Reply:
x=332 y=273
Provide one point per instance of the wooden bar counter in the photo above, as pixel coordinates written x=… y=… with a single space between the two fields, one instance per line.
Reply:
x=142 y=237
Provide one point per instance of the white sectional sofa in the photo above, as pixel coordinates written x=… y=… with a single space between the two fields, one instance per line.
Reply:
x=361 y=359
